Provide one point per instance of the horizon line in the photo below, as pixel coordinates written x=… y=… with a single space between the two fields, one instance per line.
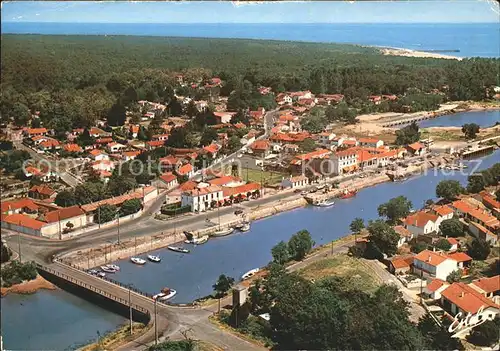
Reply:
x=296 y=23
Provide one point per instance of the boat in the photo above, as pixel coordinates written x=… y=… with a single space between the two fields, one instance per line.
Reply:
x=325 y=203
x=245 y=227
x=138 y=260
x=223 y=232
x=348 y=194
x=154 y=258
x=178 y=249
x=250 y=273
x=165 y=294
x=114 y=266
x=201 y=240
x=108 y=269
x=101 y=274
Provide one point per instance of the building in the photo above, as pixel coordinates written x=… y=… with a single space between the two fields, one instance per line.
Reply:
x=202 y=199
x=72 y=148
x=226 y=181
x=63 y=220
x=434 y=264
x=23 y=224
x=41 y=192
x=23 y=205
x=241 y=192
x=489 y=287
x=460 y=297
x=481 y=232
x=434 y=289
x=401 y=265
x=169 y=180
x=261 y=148
x=404 y=235
x=453 y=244
x=185 y=170
x=295 y=182
x=130 y=155
x=223 y=117
x=422 y=223
x=345 y=161
x=416 y=149
x=98 y=155
x=444 y=212
x=115 y=147
x=463 y=260
x=370 y=142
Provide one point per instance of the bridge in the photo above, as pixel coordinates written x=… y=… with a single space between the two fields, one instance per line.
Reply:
x=165 y=321
x=407 y=120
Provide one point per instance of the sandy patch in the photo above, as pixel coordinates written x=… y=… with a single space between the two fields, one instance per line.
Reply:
x=28 y=287
x=414 y=53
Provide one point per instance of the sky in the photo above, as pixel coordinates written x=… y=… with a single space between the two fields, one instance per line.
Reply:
x=396 y=11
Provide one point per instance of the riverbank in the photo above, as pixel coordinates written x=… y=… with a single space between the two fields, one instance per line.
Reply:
x=28 y=287
x=117 y=338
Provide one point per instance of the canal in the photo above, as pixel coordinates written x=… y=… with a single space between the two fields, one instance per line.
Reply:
x=482 y=118
x=58 y=320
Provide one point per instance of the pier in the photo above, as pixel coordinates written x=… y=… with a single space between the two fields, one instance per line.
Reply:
x=478 y=151
x=408 y=120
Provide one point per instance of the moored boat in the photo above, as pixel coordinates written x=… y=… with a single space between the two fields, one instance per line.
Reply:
x=154 y=258
x=108 y=269
x=223 y=232
x=245 y=227
x=200 y=240
x=178 y=249
x=114 y=266
x=348 y=194
x=325 y=203
x=165 y=294
x=138 y=260
x=101 y=274
x=250 y=273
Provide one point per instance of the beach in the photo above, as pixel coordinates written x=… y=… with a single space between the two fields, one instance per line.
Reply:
x=414 y=53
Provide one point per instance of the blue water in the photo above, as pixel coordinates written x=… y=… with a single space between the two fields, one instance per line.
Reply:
x=481 y=118
x=471 y=39
x=192 y=275
x=52 y=320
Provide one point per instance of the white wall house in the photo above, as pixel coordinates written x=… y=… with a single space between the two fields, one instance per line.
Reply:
x=344 y=161
x=370 y=142
x=434 y=264
x=202 y=199
x=295 y=182
x=422 y=223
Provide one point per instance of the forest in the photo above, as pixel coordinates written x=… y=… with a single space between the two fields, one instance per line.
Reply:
x=77 y=79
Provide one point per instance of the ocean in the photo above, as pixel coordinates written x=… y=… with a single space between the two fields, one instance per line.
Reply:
x=473 y=40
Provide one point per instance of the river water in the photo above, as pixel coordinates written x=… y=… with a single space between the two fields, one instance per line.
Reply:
x=482 y=118
x=58 y=320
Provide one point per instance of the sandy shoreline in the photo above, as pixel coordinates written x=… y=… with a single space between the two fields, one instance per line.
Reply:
x=29 y=287
x=415 y=53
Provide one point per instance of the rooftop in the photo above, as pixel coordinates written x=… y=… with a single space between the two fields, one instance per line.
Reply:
x=467 y=298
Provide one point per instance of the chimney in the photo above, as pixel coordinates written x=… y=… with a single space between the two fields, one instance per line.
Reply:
x=461 y=294
x=429 y=259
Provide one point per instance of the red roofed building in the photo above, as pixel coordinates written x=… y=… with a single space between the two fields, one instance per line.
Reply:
x=295 y=182
x=202 y=199
x=404 y=234
x=226 y=181
x=18 y=206
x=49 y=144
x=169 y=179
x=185 y=170
x=261 y=147
x=434 y=264
x=489 y=287
x=460 y=297
x=211 y=149
x=401 y=265
x=416 y=149
x=435 y=288
x=153 y=144
x=72 y=148
x=300 y=159
x=41 y=192
x=23 y=224
x=242 y=191
x=36 y=131
x=490 y=202
x=422 y=223
x=370 y=142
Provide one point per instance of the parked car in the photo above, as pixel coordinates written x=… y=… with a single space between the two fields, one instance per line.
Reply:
x=238 y=212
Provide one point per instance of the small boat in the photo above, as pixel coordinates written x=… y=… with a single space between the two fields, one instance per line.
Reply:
x=250 y=273
x=348 y=194
x=245 y=227
x=325 y=203
x=178 y=249
x=223 y=232
x=101 y=274
x=138 y=260
x=201 y=240
x=165 y=294
x=114 y=266
x=154 y=258
x=108 y=269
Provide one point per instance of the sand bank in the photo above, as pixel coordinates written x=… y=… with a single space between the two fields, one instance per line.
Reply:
x=28 y=287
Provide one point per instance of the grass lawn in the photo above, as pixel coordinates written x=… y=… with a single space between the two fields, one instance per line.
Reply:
x=268 y=178
x=359 y=275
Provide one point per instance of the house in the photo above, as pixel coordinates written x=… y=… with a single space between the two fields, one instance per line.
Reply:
x=460 y=297
x=162 y=137
x=169 y=163
x=463 y=260
x=72 y=148
x=134 y=130
x=62 y=220
x=261 y=148
x=491 y=203
x=483 y=218
x=284 y=99
x=226 y=181
x=185 y=170
x=130 y=155
x=23 y=224
x=434 y=264
x=169 y=179
x=489 y=287
x=400 y=264
x=483 y=233
x=444 y=212
x=36 y=131
x=404 y=234
x=103 y=165
x=377 y=100
x=49 y=144
x=246 y=191
x=98 y=155
x=453 y=244
x=366 y=159
x=370 y=142
x=202 y=199
x=290 y=148
x=39 y=138
x=41 y=192
x=345 y=161
x=223 y=117
x=98 y=132
x=115 y=147
x=302 y=159
x=434 y=289
x=153 y=144
x=295 y=182
x=422 y=223
x=325 y=138
x=23 y=205
x=43 y=175
x=211 y=150
x=416 y=149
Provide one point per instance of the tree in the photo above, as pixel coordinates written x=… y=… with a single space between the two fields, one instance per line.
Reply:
x=470 y=130
x=300 y=244
x=208 y=136
x=383 y=236
x=222 y=285
x=475 y=183
x=280 y=253
x=443 y=244
x=191 y=109
x=478 y=249
x=233 y=144
x=408 y=135
x=451 y=228
x=85 y=139
x=142 y=134
x=120 y=184
x=174 y=107
x=418 y=247
x=116 y=115
x=395 y=209
x=357 y=225
x=436 y=336
x=454 y=276
x=449 y=189
x=5 y=252
x=65 y=198
x=130 y=206
x=485 y=334
x=21 y=114
x=105 y=213
x=497 y=194
x=307 y=145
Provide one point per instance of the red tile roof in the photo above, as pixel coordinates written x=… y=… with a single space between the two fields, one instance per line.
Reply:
x=184 y=169
x=416 y=146
x=488 y=285
x=435 y=285
x=489 y=200
x=62 y=214
x=452 y=241
x=402 y=231
x=460 y=257
x=212 y=148
x=155 y=143
x=443 y=210
x=24 y=221
x=224 y=180
x=42 y=189
x=430 y=257
x=466 y=298
x=260 y=145
x=242 y=189
x=37 y=131
x=420 y=219
x=204 y=191
x=104 y=140
x=368 y=140
x=50 y=143
x=168 y=177
x=189 y=185
x=18 y=204
x=402 y=262
x=72 y=148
